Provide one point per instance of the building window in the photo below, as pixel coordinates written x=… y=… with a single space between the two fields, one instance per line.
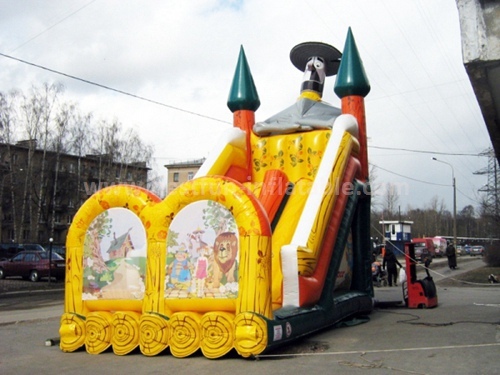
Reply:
x=176 y=177
x=71 y=168
x=190 y=175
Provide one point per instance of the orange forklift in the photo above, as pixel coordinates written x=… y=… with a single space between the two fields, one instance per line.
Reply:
x=417 y=293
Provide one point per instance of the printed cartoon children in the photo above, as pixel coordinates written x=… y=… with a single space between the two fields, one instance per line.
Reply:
x=201 y=271
x=179 y=270
x=202 y=255
x=196 y=243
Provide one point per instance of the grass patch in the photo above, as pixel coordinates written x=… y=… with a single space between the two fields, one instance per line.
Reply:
x=477 y=277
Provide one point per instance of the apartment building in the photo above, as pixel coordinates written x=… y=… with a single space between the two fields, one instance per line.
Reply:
x=40 y=191
x=181 y=171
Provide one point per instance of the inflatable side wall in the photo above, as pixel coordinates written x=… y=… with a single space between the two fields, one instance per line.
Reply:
x=269 y=241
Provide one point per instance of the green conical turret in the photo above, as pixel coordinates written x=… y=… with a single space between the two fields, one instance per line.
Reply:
x=351 y=77
x=243 y=94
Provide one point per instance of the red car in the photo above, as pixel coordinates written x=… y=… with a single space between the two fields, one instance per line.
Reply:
x=33 y=265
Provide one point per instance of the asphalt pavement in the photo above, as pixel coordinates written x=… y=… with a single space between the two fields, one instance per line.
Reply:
x=460 y=336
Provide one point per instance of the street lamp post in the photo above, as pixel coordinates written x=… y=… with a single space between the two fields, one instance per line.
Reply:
x=50 y=257
x=454 y=201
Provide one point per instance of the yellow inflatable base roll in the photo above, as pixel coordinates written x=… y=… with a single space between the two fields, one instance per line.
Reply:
x=71 y=332
x=185 y=334
x=250 y=334
x=217 y=334
x=125 y=332
x=154 y=334
x=99 y=330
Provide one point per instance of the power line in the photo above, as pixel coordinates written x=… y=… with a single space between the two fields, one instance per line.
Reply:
x=54 y=25
x=409 y=178
x=112 y=89
x=201 y=115
x=423 y=151
x=424 y=182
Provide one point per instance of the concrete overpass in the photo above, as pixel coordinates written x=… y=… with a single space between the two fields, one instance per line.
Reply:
x=480 y=31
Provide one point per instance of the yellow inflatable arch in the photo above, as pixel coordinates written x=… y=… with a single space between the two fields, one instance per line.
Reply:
x=117 y=296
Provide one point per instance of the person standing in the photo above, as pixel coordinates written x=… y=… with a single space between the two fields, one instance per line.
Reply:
x=390 y=261
x=427 y=263
x=452 y=256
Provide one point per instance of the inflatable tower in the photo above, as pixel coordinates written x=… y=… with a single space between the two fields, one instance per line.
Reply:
x=269 y=242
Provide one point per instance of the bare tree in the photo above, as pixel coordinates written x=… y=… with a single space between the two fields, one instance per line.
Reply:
x=79 y=144
x=106 y=149
x=390 y=201
x=466 y=220
x=47 y=97
x=131 y=149
x=48 y=128
x=8 y=103
x=31 y=118
x=63 y=119
x=435 y=215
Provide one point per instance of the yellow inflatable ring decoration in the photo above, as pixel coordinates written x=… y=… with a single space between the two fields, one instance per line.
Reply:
x=133 y=198
x=254 y=249
x=71 y=332
x=154 y=335
x=255 y=242
x=242 y=203
x=98 y=326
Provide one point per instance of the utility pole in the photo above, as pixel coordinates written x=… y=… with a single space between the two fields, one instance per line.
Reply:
x=454 y=200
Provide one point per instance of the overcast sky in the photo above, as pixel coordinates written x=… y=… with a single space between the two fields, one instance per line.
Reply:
x=183 y=55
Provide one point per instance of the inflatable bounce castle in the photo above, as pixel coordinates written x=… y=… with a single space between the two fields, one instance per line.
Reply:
x=269 y=242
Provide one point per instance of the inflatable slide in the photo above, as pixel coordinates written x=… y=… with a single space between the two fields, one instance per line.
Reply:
x=269 y=242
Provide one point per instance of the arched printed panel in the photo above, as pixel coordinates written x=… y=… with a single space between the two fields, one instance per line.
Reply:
x=106 y=251
x=202 y=252
x=209 y=260
x=205 y=229
x=114 y=257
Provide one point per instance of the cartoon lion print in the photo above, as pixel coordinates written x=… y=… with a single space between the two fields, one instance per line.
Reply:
x=225 y=254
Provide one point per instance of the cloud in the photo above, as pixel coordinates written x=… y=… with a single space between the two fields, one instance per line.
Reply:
x=184 y=54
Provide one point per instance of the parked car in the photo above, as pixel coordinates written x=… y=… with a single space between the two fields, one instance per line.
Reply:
x=59 y=249
x=476 y=250
x=33 y=265
x=424 y=247
x=31 y=247
x=8 y=250
x=461 y=250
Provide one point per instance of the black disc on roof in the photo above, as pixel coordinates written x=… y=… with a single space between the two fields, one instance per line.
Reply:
x=302 y=52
